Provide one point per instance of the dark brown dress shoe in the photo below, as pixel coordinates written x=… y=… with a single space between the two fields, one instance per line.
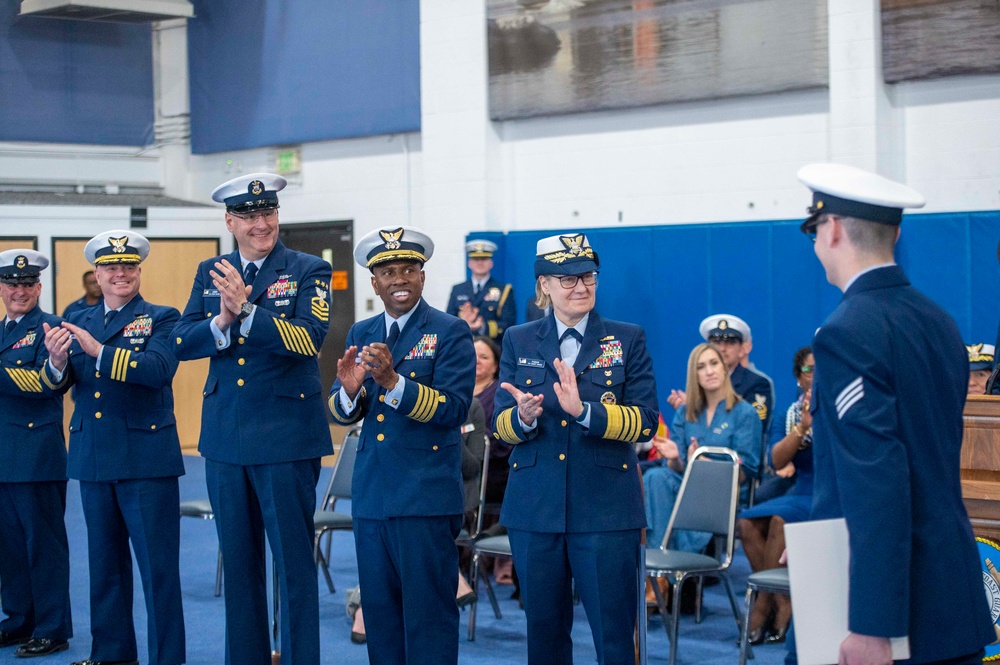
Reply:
x=91 y=661
x=40 y=646
x=10 y=639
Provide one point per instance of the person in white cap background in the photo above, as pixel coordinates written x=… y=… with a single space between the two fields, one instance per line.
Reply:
x=886 y=440
x=34 y=551
x=409 y=373
x=124 y=450
x=482 y=301
x=260 y=315
x=577 y=392
x=981 y=358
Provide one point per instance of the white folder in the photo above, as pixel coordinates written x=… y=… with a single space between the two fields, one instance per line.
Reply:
x=819 y=573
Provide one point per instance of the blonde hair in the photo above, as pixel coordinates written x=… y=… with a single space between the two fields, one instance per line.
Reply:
x=542 y=299
x=697 y=401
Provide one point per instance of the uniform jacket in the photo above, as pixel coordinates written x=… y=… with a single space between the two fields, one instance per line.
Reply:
x=757 y=391
x=31 y=412
x=263 y=396
x=409 y=460
x=79 y=305
x=123 y=425
x=887 y=400
x=563 y=479
x=495 y=302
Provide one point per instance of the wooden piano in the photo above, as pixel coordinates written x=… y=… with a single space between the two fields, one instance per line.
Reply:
x=981 y=464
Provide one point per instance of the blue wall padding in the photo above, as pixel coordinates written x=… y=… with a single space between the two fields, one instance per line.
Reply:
x=271 y=72
x=668 y=278
x=74 y=81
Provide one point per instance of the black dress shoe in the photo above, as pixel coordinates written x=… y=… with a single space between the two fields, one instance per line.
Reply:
x=757 y=636
x=467 y=599
x=777 y=636
x=91 y=661
x=356 y=638
x=10 y=639
x=40 y=646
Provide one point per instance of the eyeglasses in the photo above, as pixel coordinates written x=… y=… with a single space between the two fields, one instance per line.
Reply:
x=811 y=229
x=268 y=215
x=807 y=369
x=569 y=281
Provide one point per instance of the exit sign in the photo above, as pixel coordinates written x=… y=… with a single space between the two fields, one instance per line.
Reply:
x=288 y=162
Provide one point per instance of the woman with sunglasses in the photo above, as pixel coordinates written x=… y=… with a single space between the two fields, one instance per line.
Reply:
x=577 y=392
x=762 y=527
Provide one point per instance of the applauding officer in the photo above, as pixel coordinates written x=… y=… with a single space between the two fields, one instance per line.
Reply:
x=887 y=399
x=260 y=314
x=484 y=302
x=123 y=449
x=34 y=553
x=409 y=373
x=578 y=392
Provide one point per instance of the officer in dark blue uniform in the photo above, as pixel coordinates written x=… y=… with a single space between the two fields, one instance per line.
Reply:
x=484 y=302
x=981 y=358
x=886 y=439
x=34 y=552
x=123 y=448
x=729 y=335
x=260 y=315
x=578 y=392
x=409 y=373
x=91 y=296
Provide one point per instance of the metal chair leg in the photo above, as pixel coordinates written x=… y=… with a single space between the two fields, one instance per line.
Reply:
x=491 y=594
x=675 y=617
x=473 y=581
x=218 y=575
x=732 y=602
x=698 y=591
x=745 y=649
x=640 y=617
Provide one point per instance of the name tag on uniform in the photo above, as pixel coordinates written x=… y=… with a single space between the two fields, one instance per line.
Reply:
x=468 y=427
x=211 y=293
x=530 y=362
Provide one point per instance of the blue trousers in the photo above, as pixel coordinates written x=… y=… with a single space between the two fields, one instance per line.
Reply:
x=605 y=566
x=277 y=500
x=34 y=560
x=144 y=512
x=408 y=568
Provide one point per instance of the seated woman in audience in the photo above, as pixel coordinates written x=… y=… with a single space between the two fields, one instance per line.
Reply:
x=713 y=416
x=762 y=528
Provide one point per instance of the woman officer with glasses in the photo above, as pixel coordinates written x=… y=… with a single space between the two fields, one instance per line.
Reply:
x=577 y=392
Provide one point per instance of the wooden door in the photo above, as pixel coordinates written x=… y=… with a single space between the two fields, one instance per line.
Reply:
x=167 y=276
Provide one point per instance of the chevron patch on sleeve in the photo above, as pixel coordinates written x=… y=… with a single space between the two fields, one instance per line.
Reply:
x=849 y=396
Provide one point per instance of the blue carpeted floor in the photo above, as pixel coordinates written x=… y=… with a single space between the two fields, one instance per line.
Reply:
x=498 y=641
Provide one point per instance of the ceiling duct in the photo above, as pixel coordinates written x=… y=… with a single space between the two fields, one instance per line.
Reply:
x=109 y=11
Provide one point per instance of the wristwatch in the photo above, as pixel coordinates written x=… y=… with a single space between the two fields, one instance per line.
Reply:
x=245 y=311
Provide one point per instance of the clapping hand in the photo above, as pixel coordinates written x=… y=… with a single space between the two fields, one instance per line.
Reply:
x=529 y=406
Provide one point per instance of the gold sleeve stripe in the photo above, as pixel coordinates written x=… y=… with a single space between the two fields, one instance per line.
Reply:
x=505 y=426
x=25 y=379
x=492 y=329
x=333 y=409
x=295 y=338
x=624 y=423
x=119 y=366
x=47 y=380
x=427 y=404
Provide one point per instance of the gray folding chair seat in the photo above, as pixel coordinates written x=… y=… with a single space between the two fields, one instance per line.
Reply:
x=706 y=502
x=773 y=580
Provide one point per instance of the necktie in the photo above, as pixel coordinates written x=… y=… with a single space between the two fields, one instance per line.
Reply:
x=390 y=341
x=109 y=316
x=475 y=289
x=571 y=333
x=8 y=329
x=250 y=274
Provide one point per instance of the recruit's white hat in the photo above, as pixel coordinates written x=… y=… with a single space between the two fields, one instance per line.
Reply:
x=21 y=266
x=118 y=246
x=403 y=243
x=724 y=326
x=839 y=189
x=246 y=193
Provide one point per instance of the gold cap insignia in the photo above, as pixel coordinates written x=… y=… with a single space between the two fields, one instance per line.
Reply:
x=256 y=188
x=392 y=238
x=723 y=324
x=21 y=262
x=573 y=243
x=118 y=244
